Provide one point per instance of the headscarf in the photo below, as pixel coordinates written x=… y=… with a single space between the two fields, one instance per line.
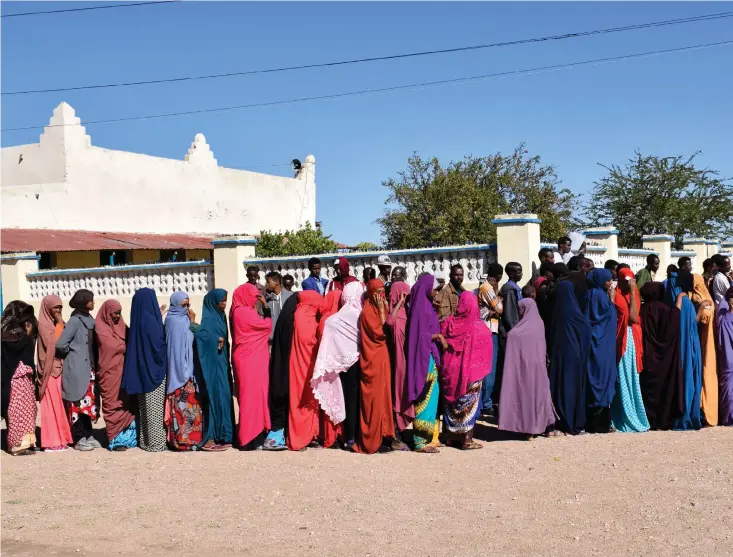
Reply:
x=602 y=365
x=725 y=344
x=623 y=303
x=111 y=347
x=661 y=381
x=690 y=351
x=571 y=340
x=244 y=296
x=397 y=289
x=339 y=350
x=179 y=343
x=17 y=345
x=80 y=300
x=580 y=286
x=329 y=306
x=282 y=342
x=48 y=364
x=422 y=324
x=145 y=364
x=346 y=278
x=376 y=415
x=110 y=337
x=470 y=348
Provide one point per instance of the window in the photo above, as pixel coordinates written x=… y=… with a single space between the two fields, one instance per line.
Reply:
x=47 y=261
x=172 y=255
x=112 y=258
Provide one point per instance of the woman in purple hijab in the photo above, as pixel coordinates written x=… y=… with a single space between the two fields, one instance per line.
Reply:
x=525 y=405
x=725 y=355
x=423 y=359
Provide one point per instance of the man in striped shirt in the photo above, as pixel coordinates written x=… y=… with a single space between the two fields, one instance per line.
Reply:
x=491 y=309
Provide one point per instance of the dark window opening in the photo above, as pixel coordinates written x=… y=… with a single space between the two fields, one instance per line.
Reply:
x=112 y=258
x=172 y=255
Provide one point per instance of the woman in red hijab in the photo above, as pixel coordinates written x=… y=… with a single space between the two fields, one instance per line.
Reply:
x=303 y=415
x=341 y=277
x=250 y=360
x=377 y=423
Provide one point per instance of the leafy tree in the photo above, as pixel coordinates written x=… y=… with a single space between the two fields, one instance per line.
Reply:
x=366 y=246
x=430 y=205
x=306 y=241
x=662 y=195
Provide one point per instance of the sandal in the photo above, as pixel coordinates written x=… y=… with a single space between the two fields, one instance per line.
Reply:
x=119 y=449
x=471 y=446
x=428 y=449
x=554 y=433
x=212 y=448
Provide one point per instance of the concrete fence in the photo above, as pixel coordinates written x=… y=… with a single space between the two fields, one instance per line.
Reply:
x=518 y=239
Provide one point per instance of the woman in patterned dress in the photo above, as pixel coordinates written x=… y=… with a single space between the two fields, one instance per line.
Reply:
x=145 y=367
x=18 y=393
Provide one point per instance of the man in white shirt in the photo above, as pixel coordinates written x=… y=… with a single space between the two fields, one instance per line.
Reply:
x=721 y=281
x=563 y=253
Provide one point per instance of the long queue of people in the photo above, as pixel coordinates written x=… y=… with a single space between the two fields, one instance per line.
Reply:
x=358 y=363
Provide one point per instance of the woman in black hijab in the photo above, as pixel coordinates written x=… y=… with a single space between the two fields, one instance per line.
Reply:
x=19 y=328
x=661 y=379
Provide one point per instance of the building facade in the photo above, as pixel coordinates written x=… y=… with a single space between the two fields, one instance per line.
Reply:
x=44 y=185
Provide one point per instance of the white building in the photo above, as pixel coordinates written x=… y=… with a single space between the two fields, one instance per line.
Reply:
x=45 y=184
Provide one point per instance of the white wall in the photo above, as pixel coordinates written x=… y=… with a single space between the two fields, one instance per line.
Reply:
x=147 y=194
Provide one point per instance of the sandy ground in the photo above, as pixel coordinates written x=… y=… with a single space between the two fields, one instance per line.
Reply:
x=668 y=494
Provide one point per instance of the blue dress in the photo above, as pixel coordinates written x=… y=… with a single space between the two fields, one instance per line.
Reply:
x=627 y=410
x=690 y=358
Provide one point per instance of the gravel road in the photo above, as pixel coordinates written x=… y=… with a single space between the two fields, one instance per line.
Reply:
x=660 y=493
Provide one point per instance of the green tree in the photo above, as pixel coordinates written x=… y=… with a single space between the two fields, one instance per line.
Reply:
x=306 y=241
x=430 y=205
x=366 y=246
x=662 y=195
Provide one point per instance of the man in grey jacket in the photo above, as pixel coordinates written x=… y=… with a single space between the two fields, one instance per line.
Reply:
x=76 y=347
x=276 y=297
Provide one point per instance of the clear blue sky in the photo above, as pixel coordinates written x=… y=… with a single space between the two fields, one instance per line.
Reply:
x=666 y=105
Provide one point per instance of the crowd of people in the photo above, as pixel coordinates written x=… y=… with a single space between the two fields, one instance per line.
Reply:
x=375 y=365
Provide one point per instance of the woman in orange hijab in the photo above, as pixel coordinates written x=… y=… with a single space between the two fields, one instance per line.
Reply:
x=377 y=423
x=250 y=360
x=706 y=327
x=303 y=415
x=55 y=430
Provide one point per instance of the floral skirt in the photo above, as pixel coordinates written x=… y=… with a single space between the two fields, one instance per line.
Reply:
x=426 y=426
x=461 y=416
x=22 y=410
x=86 y=406
x=184 y=418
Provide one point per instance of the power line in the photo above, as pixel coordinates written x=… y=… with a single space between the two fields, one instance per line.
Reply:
x=693 y=19
x=85 y=9
x=511 y=73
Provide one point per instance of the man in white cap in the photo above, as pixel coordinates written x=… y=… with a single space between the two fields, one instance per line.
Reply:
x=385 y=268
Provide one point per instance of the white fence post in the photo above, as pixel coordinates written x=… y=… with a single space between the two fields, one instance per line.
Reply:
x=14 y=268
x=726 y=248
x=518 y=240
x=606 y=236
x=699 y=246
x=662 y=244
x=228 y=256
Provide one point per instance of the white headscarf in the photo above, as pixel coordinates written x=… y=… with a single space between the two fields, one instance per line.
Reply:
x=339 y=350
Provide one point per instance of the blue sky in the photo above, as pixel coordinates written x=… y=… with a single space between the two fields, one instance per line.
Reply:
x=665 y=105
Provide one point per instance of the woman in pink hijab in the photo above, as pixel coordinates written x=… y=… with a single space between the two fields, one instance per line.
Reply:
x=250 y=360
x=465 y=364
x=396 y=325
x=55 y=430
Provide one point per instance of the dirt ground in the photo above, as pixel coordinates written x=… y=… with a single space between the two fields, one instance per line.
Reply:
x=667 y=494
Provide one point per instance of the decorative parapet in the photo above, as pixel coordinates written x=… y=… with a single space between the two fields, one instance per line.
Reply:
x=473 y=257
x=635 y=258
x=194 y=277
x=200 y=153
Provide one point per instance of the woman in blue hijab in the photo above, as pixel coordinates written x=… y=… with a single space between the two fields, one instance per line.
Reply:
x=569 y=362
x=145 y=368
x=212 y=342
x=678 y=286
x=184 y=418
x=602 y=370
